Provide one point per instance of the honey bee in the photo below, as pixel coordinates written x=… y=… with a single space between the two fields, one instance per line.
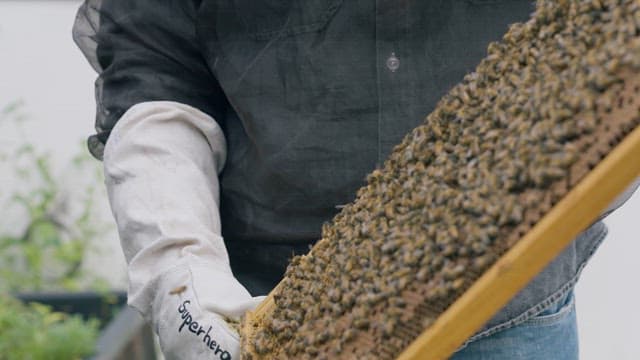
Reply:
x=179 y=290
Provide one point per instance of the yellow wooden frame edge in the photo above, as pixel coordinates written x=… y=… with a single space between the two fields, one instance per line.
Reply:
x=579 y=208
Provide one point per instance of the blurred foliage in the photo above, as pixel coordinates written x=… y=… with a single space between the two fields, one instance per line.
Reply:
x=35 y=332
x=44 y=249
x=47 y=230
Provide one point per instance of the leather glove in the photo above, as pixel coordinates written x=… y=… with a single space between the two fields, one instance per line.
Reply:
x=161 y=166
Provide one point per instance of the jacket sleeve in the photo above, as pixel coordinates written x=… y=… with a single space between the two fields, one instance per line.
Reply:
x=144 y=50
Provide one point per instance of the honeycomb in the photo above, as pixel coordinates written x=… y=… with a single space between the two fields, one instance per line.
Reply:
x=499 y=150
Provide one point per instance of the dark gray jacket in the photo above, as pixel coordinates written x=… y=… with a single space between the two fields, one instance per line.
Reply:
x=312 y=95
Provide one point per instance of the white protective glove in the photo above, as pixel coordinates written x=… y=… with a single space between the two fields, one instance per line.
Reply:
x=161 y=167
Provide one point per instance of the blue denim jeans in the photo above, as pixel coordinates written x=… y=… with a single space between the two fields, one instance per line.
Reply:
x=550 y=335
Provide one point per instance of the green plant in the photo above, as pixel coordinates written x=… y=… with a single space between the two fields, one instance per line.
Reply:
x=35 y=332
x=52 y=228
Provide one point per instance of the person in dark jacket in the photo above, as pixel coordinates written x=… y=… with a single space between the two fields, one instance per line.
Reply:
x=231 y=130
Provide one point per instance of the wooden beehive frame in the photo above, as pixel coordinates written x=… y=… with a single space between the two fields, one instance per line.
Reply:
x=578 y=208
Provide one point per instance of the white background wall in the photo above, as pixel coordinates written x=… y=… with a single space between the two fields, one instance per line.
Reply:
x=40 y=64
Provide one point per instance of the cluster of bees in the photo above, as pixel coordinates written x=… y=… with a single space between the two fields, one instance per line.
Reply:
x=436 y=215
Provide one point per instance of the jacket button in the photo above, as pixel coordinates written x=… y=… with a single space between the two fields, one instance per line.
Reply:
x=393 y=63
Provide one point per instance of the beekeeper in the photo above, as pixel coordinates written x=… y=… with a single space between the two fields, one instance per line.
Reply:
x=230 y=130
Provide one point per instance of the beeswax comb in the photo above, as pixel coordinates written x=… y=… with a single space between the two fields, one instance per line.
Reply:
x=511 y=165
